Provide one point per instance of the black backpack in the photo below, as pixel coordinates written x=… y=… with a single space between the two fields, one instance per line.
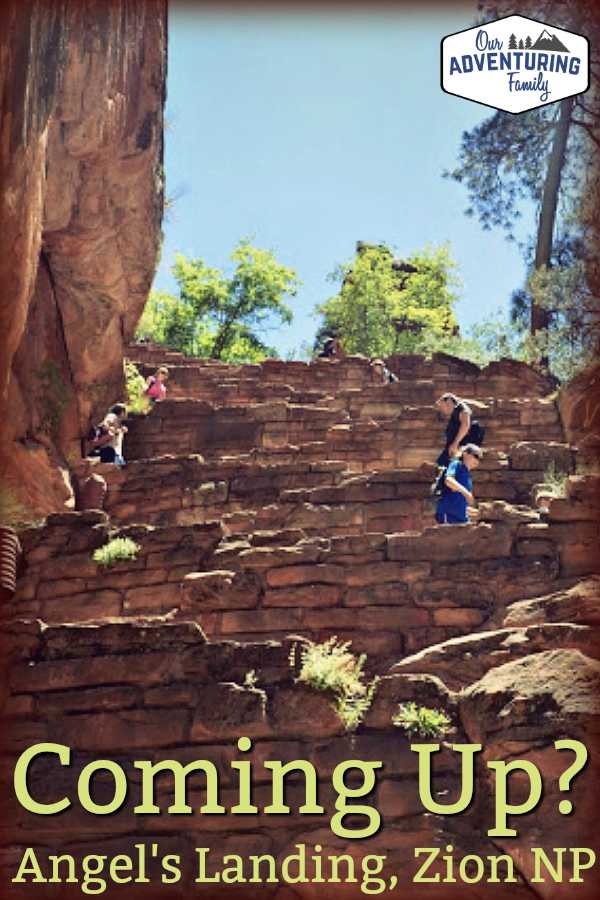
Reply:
x=475 y=434
x=98 y=436
x=328 y=349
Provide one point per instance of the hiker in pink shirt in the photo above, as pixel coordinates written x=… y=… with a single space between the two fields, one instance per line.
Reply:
x=156 y=388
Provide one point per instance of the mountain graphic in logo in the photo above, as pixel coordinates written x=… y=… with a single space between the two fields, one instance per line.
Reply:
x=547 y=41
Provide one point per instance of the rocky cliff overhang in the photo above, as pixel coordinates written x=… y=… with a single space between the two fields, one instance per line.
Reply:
x=82 y=90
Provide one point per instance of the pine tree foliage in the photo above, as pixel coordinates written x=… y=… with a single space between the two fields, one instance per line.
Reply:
x=549 y=157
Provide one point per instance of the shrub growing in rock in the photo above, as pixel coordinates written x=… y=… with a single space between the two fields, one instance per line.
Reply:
x=137 y=402
x=420 y=721
x=115 y=550
x=330 y=666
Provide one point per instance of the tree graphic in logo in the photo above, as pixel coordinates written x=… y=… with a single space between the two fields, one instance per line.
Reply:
x=546 y=41
x=535 y=64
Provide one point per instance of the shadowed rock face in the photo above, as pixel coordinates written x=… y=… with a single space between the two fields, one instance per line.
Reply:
x=518 y=712
x=579 y=404
x=82 y=90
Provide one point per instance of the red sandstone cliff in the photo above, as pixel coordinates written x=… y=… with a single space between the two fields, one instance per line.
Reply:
x=82 y=90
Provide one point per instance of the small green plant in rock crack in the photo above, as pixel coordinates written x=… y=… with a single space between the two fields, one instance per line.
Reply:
x=556 y=479
x=116 y=549
x=420 y=721
x=330 y=666
x=54 y=397
x=352 y=706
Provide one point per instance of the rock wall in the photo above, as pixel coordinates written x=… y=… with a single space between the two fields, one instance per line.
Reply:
x=391 y=594
x=155 y=690
x=331 y=411
x=579 y=405
x=82 y=89
x=255 y=492
x=421 y=380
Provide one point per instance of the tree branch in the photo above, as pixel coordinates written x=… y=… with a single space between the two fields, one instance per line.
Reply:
x=589 y=130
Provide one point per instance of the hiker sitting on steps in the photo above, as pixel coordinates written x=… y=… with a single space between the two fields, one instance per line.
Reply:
x=156 y=388
x=457 y=495
x=332 y=348
x=106 y=439
x=380 y=373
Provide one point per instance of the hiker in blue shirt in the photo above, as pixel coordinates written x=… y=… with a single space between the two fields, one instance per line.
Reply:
x=457 y=495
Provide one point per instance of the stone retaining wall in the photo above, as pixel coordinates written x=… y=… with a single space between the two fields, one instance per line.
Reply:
x=390 y=594
x=319 y=433
x=318 y=498
x=129 y=692
x=156 y=691
x=421 y=380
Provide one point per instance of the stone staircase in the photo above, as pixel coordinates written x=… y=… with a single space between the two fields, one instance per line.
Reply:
x=330 y=410
x=270 y=518
x=282 y=502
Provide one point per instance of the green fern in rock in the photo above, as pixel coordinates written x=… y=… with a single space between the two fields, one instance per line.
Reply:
x=117 y=549
x=420 y=721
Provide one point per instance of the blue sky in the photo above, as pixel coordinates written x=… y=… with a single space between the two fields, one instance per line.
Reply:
x=309 y=128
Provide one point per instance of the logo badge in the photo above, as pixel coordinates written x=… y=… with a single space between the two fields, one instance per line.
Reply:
x=515 y=64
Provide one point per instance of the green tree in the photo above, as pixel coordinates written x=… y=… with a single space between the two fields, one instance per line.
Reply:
x=492 y=338
x=571 y=339
x=220 y=316
x=387 y=305
x=545 y=155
